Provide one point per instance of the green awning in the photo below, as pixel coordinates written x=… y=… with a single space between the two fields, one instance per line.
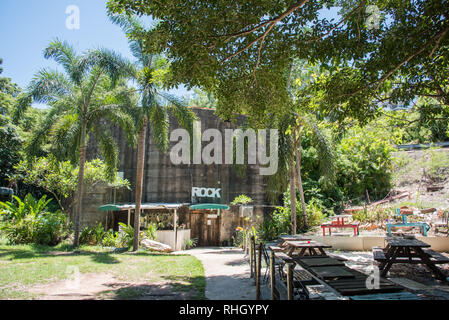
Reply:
x=110 y=207
x=209 y=206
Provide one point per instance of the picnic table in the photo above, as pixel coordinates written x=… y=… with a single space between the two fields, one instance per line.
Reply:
x=341 y=223
x=408 y=250
x=295 y=237
x=423 y=227
x=314 y=248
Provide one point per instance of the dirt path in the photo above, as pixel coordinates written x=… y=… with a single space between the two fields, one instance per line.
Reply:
x=105 y=286
x=227 y=273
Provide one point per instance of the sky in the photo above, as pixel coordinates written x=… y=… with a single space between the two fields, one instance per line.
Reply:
x=27 y=27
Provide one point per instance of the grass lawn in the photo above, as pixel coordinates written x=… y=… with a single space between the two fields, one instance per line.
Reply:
x=23 y=267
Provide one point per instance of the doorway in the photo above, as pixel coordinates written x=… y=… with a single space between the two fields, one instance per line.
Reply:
x=205 y=226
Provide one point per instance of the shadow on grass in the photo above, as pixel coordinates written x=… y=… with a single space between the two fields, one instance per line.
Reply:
x=11 y=252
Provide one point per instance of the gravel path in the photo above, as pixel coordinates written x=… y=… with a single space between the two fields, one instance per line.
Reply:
x=227 y=273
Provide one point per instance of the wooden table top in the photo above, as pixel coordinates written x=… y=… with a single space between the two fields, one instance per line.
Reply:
x=402 y=242
x=293 y=238
x=307 y=244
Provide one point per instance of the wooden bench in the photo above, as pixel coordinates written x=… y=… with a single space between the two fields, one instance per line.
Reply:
x=275 y=248
x=404 y=295
x=378 y=254
x=329 y=226
x=284 y=257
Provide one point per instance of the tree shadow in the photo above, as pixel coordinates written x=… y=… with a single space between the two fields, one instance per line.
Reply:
x=40 y=251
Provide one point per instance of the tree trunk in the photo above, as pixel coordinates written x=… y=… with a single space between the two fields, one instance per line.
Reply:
x=298 y=152
x=293 y=195
x=139 y=182
x=80 y=184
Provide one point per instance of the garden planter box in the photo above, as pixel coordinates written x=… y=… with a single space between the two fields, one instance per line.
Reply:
x=168 y=237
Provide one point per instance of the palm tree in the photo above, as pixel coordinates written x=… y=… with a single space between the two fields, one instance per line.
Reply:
x=291 y=127
x=155 y=106
x=87 y=93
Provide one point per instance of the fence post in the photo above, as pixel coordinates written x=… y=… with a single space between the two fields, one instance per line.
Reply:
x=258 y=271
x=272 y=275
x=251 y=257
x=254 y=251
x=289 y=281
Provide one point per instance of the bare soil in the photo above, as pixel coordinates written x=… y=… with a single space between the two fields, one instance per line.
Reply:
x=96 y=286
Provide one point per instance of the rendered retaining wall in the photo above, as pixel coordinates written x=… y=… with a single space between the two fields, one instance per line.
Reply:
x=168 y=237
x=365 y=243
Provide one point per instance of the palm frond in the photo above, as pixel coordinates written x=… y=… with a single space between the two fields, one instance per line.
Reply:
x=324 y=149
x=48 y=86
x=66 y=135
x=108 y=149
x=130 y=25
x=111 y=63
x=23 y=102
x=39 y=137
x=159 y=126
x=66 y=56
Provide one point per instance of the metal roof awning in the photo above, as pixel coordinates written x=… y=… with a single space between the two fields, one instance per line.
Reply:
x=209 y=206
x=143 y=206
x=6 y=191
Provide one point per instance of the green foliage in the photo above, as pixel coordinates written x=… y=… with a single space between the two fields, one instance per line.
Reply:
x=241 y=50
x=29 y=221
x=150 y=232
x=10 y=147
x=242 y=199
x=365 y=163
x=191 y=243
x=60 y=177
x=92 y=235
x=437 y=165
x=203 y=99
x=242 y=236
x=126 y=234
x=111 y=239
x=279 y=222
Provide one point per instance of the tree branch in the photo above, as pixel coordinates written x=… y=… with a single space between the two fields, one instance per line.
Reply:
x=271 y=22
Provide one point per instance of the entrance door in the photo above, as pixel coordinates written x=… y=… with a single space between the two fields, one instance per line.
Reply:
x=205 y=226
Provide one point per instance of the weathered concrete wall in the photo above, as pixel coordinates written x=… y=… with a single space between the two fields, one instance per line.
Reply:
x=166 y=182
x=94 y=196
x=366 y=243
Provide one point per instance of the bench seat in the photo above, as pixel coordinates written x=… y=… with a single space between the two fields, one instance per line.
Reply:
x=436 y=256
x=378 y=254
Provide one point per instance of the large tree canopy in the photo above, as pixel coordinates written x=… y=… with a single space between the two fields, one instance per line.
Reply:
x=241 y=50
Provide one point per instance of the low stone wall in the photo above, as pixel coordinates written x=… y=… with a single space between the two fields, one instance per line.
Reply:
x=365 y=243
x=168 y=237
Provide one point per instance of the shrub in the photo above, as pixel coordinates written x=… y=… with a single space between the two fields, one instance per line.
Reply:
x=365 y=164
x=29 y=221
x=111 y=239
x=280 y=220
x=191 y=243
x=242 y=199
x=92 y=235
x=150 y=233
x=126 y=234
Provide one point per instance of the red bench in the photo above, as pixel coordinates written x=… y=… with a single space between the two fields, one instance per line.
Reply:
x=340 y=223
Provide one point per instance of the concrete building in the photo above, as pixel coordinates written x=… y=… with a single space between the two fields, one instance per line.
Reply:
x=165 y=182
